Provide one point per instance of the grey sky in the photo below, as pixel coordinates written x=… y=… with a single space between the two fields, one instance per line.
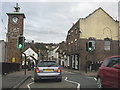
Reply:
x=49 y=22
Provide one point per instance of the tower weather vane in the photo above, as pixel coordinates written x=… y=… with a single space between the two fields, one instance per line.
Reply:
x=17 y=8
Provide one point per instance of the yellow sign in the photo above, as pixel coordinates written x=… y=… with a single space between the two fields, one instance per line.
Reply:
x=13 y=59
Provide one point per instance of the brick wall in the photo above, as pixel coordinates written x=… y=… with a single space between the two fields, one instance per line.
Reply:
x=12 y=51
x=98 y=54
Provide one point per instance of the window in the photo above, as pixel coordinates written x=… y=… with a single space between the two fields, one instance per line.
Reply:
x=76 y=31
x=47 y=64
x=71 y=31
x=107 y=44
x=113 y=63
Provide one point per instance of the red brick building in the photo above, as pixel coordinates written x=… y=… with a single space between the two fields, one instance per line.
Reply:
x=101 y=30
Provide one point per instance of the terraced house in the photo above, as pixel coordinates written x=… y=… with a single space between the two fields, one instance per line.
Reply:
x=91 y=39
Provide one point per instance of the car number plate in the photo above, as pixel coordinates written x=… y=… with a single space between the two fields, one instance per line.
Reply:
x=48 y=69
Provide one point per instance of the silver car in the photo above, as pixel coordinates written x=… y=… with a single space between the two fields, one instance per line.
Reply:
x=48 y=70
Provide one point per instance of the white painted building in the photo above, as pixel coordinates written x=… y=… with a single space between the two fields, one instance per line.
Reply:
x=53 y=54
x=31 y=53
x=2 y=51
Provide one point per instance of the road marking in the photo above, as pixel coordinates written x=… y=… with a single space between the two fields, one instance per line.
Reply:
x=68 y=72
x=29 y=85
x=95 y=79
x=78 y=85
x=32 y=78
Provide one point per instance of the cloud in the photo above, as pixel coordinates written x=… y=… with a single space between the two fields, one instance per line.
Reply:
x=50 y=21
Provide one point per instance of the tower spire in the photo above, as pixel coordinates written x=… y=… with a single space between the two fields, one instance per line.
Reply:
x=17 y=8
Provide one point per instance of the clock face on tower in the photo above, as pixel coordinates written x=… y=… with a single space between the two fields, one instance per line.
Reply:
x=15 y=20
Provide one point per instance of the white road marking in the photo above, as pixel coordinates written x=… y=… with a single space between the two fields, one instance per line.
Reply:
x=78 y=85
x=29 y=85
x=32 y=78
x=68 y=72
x=95 y=79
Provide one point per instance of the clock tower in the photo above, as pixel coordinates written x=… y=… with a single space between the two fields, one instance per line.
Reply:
x=15 y=28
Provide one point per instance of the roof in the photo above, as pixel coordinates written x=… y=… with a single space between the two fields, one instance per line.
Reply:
x=16 y=13
x=96 y=11
x=30 y=46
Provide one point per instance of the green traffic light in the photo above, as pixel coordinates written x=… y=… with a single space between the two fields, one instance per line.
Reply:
x=20 y=42
x=90 y=49
x=20 y=46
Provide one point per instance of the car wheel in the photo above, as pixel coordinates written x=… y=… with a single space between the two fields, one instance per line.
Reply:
x=99 y=83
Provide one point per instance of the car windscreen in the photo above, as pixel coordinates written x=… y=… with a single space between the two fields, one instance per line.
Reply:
x=47 y=64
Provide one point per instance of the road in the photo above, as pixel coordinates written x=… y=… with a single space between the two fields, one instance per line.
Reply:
x=70 y=80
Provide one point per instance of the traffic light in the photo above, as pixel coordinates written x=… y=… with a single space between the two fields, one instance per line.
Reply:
x=89 y=46
x=20 y=42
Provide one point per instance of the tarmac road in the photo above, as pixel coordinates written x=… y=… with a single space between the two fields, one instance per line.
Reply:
x=70 y=80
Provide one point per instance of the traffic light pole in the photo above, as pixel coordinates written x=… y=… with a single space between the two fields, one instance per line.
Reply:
x=21 y=59
x=86 y=63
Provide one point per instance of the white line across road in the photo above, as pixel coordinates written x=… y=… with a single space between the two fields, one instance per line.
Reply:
x=78 y=85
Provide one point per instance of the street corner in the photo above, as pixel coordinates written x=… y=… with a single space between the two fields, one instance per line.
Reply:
x=21 y=82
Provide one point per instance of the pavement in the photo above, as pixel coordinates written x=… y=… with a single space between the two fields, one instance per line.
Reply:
x=15 y=79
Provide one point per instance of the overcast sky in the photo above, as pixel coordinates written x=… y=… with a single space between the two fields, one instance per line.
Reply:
x=49 y=22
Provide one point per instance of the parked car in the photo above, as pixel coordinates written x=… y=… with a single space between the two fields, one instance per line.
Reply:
x=48 y=70
x=109 y=73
